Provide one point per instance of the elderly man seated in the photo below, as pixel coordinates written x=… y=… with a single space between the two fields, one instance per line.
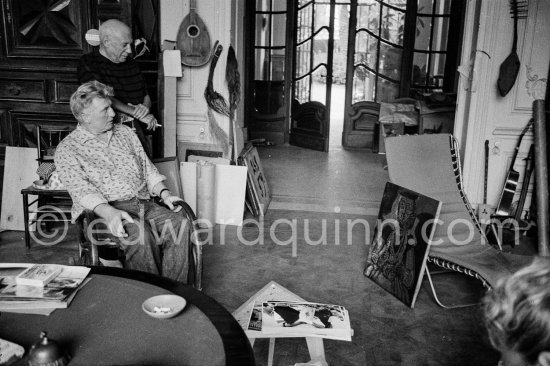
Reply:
x=105 y=169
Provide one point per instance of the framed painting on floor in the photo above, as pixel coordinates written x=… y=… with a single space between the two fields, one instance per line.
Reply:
x=259 y=193
x=401 y=241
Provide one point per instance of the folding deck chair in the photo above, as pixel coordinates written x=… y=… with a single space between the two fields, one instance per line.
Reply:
x=430 y=164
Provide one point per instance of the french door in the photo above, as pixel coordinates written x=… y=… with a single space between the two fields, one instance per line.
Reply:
x=312 y=73
x=396 y=49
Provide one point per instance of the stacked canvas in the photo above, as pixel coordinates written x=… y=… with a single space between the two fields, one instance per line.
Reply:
x=258 y=195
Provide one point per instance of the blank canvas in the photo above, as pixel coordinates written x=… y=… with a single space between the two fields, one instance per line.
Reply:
x=230 y=189
x=19 y=172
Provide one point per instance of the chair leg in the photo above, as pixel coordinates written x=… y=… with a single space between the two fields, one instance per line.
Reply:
x=197 y=254
x=457 y=306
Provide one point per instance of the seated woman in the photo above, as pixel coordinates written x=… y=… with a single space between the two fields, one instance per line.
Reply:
x=517 y=316
x=105 y=170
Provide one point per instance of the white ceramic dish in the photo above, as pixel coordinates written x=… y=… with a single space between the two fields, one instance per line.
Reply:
x=163 y=306
x=39 y=184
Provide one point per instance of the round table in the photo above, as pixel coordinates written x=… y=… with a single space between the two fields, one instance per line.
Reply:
x=105 y=325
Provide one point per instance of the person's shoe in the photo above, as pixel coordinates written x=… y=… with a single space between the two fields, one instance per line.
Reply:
x=110 y=263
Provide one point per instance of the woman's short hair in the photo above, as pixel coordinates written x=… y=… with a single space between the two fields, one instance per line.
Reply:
x=85 y=94
x=517 y=311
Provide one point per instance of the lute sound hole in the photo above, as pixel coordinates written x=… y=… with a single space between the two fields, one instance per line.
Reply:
x=193 y=31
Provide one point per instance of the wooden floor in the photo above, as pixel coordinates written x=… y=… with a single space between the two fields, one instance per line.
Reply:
x=240 y=261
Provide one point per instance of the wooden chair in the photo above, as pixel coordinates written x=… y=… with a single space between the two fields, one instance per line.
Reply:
x=89 y=245
x=52 y=202
x=364 y=122
x=430 y=164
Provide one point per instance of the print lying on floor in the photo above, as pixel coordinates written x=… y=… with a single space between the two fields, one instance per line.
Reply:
x=287 y=318
x=401 y=240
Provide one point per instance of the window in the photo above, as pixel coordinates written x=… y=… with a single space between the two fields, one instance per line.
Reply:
x=405 y=46
x=269 y=55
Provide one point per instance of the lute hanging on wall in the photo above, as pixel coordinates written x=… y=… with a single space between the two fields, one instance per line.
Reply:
x=193 y=39
x=509 y=68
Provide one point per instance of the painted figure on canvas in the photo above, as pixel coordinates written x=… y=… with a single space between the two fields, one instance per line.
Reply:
x=399 y=244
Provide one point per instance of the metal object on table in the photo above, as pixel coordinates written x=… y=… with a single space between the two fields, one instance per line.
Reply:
x=47 y=352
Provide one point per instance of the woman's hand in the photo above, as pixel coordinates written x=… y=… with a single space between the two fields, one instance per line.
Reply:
x=168 y=199
x=115 y=219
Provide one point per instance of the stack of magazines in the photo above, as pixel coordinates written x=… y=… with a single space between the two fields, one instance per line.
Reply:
x=300 y=319
x=39 y=288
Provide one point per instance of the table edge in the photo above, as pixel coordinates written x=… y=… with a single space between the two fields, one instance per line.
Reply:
x=237 y=348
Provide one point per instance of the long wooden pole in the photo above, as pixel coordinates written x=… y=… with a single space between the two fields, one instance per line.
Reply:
x=541 y=178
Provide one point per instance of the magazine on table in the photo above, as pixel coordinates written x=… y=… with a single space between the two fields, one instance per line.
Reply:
x=280 y=318
x=255 y=322
x=59 y=289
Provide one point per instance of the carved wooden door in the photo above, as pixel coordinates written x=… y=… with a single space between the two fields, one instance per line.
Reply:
x=49 y=29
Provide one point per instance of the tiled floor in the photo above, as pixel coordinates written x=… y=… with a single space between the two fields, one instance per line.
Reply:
x=346 y=181
x=323 y=190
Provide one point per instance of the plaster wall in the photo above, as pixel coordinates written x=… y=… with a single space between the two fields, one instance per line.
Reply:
x=482 y=113
x=220 y=17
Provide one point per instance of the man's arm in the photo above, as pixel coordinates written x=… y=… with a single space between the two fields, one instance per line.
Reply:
x=153 y=178
x=142 y=113
x=147 y=101
x=122 y=107
x=138 y=111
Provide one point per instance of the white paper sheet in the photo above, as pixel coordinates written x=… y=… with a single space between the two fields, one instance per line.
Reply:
x=206 y=192
x=230 y=188
x=171 y=62
x=188 y=173
x=230 y=194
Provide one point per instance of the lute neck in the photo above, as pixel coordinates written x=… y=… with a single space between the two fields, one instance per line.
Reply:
x=192 y=5
x=486 y=172
x=515 y=41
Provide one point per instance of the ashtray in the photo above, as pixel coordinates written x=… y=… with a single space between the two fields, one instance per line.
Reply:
x=164 y=306
x=39 y=184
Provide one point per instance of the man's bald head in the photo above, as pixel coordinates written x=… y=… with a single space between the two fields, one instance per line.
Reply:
x=115 y=40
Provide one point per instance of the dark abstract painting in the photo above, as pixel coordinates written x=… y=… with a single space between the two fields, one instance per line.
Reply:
x=399 y=248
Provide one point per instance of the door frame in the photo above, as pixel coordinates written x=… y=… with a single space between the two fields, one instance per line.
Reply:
x=299 y=136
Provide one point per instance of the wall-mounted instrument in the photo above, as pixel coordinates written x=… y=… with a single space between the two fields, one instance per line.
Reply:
x=504 y=207
x=193 y=39
x=509 y=68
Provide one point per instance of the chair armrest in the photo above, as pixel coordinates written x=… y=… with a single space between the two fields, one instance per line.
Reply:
x=83 y=221
x=187 y=210
x=196 y=240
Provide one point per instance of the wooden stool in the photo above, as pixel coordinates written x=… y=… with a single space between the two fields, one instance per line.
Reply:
x=274 y=291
